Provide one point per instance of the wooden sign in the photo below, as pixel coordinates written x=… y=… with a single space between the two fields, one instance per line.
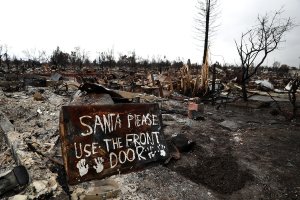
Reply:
x=102 y=140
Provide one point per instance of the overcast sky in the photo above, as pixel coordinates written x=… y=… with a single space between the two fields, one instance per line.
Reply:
x=151 y=28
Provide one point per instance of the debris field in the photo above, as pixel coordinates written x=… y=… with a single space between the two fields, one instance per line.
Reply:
x=220 y=147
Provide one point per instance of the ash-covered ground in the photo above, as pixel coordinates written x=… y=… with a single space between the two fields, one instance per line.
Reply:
x=240 y=152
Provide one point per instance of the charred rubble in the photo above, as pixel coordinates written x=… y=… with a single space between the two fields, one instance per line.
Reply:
x=32 y=95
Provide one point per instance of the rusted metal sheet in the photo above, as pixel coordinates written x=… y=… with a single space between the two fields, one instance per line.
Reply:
x=102 y=140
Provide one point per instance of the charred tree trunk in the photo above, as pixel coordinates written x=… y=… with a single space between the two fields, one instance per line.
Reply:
x=7 y=62
x=244 y=82
x=206 y=31
x=244 y=90
x=295 y=84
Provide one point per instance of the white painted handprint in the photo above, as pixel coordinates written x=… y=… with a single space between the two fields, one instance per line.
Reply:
x=99 y=166
x=82 y=167
x=162 y=150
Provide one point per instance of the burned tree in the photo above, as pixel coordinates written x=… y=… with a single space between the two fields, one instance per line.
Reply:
x=106 y=59
x=258 y=42
x=294 y=85
x=59 y=58
x=35 y=58
x=4 y=57
x=205 y=27
x=206 y=22
x=78 y=57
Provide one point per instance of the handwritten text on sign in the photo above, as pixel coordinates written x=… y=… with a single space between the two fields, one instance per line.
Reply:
x=99 y=141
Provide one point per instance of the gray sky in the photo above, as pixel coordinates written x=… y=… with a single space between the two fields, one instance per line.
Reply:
x=151 y=28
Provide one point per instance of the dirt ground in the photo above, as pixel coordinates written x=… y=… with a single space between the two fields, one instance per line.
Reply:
x=239 y=153
x=256 y=159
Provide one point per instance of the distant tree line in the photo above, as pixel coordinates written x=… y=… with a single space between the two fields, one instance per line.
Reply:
x=78 y=59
